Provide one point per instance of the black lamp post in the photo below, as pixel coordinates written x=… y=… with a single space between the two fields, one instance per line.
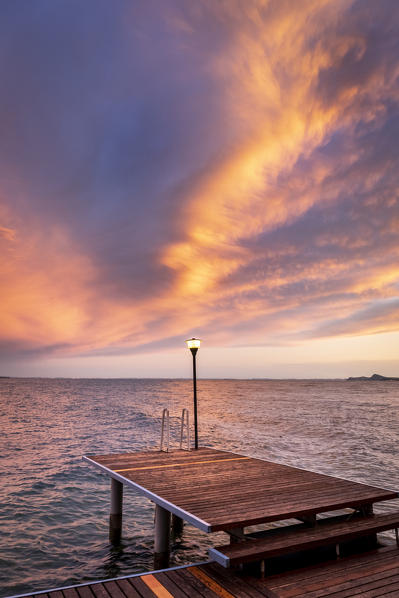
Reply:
x=194 y=344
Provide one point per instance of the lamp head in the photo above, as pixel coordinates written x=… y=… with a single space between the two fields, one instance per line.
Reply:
x=193 y=344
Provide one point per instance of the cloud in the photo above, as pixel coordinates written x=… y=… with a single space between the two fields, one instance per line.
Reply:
x=7 y=233
x=377 y=318
x=231 y=165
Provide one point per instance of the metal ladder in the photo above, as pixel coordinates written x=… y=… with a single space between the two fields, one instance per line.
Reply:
x=185 y=412
x=165 y=430
x=165 y=424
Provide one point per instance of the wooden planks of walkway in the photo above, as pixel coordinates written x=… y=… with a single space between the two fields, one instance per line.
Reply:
x=370 y=575
x=216 y=490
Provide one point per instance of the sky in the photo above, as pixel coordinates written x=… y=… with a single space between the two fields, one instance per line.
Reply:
x=212 y=168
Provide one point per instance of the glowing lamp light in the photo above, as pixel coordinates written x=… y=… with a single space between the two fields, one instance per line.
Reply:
x=194 y=344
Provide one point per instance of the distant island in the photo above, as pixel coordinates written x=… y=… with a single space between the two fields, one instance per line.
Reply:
x=373 y=377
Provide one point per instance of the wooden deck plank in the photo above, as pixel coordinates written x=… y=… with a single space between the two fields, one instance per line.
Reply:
x=191 y=581
x=339 y=584
x=152 y=469
x=311 y=499
x=143 y=590
x=155 y=585
x=113 y=590
x=172 y=587
x=365 y=585
x=250 y=493
x=249 y=487
x=128 y=589
x=99 y=591
x=346 y=569
x=365 y=589
x=219 y=474
x=273 y=491
x=244 y=515
x=215 y=586
x=235 y=583
x=158 y=458
x=359 y=575
x=217 y=490
x=183 y=584
x=85 y=592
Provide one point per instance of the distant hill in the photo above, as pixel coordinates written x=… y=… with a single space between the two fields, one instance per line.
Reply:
x=373 y=377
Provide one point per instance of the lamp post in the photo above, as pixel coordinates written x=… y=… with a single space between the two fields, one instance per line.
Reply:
x=194 y=344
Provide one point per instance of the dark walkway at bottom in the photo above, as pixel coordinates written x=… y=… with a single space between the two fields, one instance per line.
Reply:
x=369 y=575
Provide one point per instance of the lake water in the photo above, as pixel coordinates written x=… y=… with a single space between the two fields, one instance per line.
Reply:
x=54 y=506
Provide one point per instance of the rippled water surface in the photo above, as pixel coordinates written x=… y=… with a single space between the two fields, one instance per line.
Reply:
x=54 y=506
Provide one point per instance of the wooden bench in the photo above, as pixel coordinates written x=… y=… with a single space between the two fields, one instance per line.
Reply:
x=303 y=538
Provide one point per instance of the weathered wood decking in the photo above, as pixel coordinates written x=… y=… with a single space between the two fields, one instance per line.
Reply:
x=216 y=490
x=370 y=575
x=374 y=574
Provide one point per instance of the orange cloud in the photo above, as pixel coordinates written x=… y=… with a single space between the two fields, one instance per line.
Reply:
x=266 y=208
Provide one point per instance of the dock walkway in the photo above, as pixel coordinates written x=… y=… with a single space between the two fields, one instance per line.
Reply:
x=370 y=575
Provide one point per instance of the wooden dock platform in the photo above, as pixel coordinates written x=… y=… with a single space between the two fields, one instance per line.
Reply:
x=370 y=575
x=217 y=490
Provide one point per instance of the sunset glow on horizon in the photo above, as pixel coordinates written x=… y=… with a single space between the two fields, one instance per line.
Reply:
x=225 y=170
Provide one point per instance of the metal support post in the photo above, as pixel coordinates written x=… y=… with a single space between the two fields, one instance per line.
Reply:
x=236 y=534
x=177 y=527
x=115 y=516
x=366 y=510
x=309 y=520
x=162 y=538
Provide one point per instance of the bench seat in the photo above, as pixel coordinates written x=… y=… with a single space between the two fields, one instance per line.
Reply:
x=305 y=538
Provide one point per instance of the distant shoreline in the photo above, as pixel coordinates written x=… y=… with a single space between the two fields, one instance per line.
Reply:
x=373 y=378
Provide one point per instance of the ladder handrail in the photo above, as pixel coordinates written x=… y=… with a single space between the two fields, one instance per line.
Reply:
x=186 y=413
x=165 y=418
x=165 y=431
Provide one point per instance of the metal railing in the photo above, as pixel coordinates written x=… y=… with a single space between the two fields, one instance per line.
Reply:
x=165 y=424
x=184 y=428
x=185 y=417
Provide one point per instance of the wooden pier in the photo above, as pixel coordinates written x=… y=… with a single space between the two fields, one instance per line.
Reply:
x=221 y=491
